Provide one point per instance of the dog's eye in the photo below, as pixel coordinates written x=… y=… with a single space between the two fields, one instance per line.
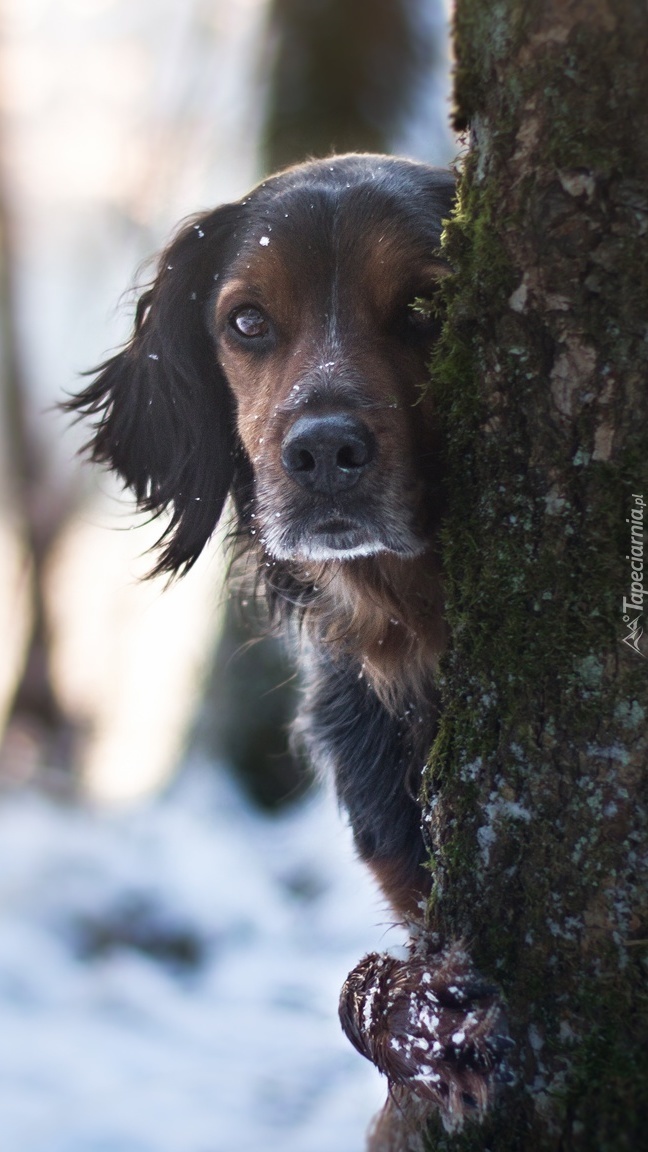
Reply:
x=249 y=322
x=423 y=315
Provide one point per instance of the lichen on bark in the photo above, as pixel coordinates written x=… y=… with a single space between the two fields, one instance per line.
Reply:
x=536 y=794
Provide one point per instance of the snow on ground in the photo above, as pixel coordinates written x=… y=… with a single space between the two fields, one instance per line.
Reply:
x=169 y=975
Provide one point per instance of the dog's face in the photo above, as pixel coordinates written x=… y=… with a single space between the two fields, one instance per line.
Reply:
x=301 y=335
x=325 y=355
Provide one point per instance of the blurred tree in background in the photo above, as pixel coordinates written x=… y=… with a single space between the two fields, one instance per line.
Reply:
x=94 y=174
x=37 y=726
x=344 y=75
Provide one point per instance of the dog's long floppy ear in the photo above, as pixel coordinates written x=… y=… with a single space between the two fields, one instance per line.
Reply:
x=165 y=417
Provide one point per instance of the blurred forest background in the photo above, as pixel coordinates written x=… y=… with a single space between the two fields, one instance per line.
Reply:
x=118 y=118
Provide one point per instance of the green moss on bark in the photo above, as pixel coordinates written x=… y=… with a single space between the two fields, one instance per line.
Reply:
x=536 y=792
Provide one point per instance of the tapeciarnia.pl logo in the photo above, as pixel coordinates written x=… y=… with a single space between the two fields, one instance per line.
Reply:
x=635 y=600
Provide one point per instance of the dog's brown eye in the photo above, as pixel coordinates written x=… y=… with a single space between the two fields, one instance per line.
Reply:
x=423 y=317
x=423 y=314
x=249 y=322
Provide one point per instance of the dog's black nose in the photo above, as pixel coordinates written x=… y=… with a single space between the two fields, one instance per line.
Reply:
x=327 y=453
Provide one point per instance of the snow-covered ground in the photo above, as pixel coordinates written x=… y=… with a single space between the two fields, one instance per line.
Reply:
x=169 y=975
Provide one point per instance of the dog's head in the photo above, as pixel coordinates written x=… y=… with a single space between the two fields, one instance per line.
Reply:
x=279 y=352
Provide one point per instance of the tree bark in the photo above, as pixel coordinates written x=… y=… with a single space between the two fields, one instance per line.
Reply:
x=536 y=791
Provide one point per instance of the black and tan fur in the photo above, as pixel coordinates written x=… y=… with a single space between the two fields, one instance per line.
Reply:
x=281 y=355
x=332 y=255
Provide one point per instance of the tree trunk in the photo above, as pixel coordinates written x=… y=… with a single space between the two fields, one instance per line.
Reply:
x=536 y=788
x=344 y=75
x=39 y=735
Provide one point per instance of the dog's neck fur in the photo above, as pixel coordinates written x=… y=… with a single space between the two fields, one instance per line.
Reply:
x=384 y=612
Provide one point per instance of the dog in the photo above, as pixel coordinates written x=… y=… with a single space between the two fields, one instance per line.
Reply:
x=281 y=355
